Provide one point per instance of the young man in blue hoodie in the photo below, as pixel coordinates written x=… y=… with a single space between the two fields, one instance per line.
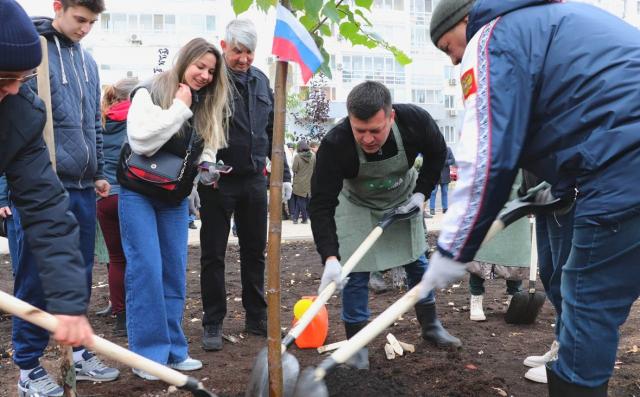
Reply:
x=538 y=96
x=75 y=102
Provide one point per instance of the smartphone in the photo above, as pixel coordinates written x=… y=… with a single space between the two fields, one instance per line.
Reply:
x=221 y=168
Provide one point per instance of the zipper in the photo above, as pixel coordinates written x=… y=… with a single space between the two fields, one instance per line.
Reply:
x=86 y=147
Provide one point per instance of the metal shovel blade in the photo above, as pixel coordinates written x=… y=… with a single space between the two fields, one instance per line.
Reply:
x=525 y=307
x=196 y=388
x=259 y=380
x=309 y=386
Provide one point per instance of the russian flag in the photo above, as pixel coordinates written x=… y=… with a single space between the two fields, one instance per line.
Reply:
x=292 y=42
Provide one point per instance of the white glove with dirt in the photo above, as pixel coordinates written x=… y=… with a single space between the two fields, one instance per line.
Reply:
x=194 y=201
x=441 y=272
x=287 y=190
x=416 y=201
x=332 y=271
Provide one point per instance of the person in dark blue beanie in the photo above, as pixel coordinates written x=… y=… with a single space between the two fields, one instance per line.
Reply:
x=50 y=228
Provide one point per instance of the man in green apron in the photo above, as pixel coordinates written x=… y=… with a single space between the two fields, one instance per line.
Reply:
x=364 y=168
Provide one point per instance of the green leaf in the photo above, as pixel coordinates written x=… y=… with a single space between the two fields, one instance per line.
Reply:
x=325 y=69
x=349 y=29
x=312 y=7
x=240 y=6
x=308 y=22
x=297 y=4
x=364 y=3
x=365 y=19
x=325 y=30
x=402 y=58
x=331 y=12
x=264 y=5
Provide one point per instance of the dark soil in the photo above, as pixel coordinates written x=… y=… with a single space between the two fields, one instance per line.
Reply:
x=490 y=363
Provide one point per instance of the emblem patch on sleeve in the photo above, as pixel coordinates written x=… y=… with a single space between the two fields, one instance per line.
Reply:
x=468 y=82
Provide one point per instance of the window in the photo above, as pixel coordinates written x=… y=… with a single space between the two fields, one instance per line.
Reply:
x=158 y=22
x=420 y=36
x=448 y=72
x=449 y=133
x=169 y=23
x=379 y=68
x=133 y=22
x=426 y=96
x=146 y=22
x=397 y=5
x=421 y=6
x=105 y=21
x=449 y=101
x=638 y=7
x=211 y=23
x=119 y=22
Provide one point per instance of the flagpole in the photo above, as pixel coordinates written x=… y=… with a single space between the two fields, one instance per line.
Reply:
x=274 y=356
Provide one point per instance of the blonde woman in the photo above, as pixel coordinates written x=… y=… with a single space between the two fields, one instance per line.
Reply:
x=180 y=114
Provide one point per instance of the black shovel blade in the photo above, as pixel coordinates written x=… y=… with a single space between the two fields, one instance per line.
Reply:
x=197 y=388
x=308 y=386
x=525 y=307
x=259 y=380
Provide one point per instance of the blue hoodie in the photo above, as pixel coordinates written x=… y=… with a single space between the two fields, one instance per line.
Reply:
x=553 y=88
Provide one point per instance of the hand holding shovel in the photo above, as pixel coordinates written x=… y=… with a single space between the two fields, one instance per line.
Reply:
x=25 y=311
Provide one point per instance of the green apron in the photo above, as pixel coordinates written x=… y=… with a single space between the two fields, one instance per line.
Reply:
x=379 y=187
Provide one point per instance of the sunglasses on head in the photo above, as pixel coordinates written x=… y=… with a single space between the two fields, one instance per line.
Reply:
x=4 y=81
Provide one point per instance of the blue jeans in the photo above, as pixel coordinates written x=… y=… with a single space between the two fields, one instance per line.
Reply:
x=444 y=196
x=29 y=341
x=154 y=239
x=553 y=235
x=599 y=285
x=355 y=295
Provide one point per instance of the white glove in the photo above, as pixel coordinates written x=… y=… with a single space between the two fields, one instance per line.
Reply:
x=194 y=201
x=332 y=271
x=441 y=272
x=287 y=190
x=416 y=200
x=209 y=177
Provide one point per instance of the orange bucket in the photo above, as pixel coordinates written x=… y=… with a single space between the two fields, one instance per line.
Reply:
x=316 y=332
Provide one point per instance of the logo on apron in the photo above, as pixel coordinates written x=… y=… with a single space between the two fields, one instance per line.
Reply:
x=383 y=184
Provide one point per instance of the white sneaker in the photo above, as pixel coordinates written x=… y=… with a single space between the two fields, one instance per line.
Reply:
x=189 y=364
x=536 y=361
x=537 y=374
x=476 y=313
x=144 y=375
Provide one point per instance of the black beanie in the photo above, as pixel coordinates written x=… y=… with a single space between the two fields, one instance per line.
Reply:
x=19 y=41
x=446 y=15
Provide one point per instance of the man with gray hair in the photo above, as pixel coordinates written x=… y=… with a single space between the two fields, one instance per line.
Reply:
x=241 y=192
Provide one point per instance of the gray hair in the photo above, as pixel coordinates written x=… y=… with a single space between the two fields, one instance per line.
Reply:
x=243 y=32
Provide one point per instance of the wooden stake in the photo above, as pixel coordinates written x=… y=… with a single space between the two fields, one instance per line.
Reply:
x=388 y=351
x=395 y=344
x=407 y=347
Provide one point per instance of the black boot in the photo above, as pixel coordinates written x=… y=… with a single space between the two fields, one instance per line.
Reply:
x=360 y=360
x=120 y=328
x=559 y=388
x=432 y=329
x=256 y=326
x=212 y=337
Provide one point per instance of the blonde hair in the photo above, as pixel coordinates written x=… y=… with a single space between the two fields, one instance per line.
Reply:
x=211 y=114
x=115 y=93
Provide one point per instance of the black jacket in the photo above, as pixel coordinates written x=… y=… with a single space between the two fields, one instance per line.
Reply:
x=51 y=229
x=251 y=127
x=337 y=160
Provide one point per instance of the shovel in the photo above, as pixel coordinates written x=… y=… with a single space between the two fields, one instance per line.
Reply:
x=25 y=311
x=525 y=305
x=311 y=382
x=259 y=380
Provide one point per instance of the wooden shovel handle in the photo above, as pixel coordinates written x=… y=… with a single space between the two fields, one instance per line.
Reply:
x=25 y=311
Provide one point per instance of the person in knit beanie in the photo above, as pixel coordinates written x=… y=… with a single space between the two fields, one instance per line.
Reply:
x=538 y=96
x=39 y=198
x=20 y=50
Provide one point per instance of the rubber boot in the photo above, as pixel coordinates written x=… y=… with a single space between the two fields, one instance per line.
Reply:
x=559 y=388
x=360 y=360
x=432 y=329
x=120 y=328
